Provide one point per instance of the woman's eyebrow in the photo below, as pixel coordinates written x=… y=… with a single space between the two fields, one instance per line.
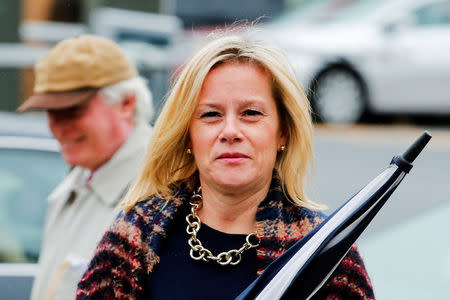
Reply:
x=242 y=103
x=253 y=101
x=207 y=104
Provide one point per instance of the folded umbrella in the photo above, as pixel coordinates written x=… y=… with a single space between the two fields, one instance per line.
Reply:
x=305 y=267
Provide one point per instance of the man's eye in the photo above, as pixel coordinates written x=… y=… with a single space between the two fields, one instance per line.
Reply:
x=210 y=114
x=77 y=111
x=252 y=112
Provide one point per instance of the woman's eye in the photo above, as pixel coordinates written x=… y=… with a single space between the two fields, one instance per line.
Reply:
x=210 y=114
x=252 y=112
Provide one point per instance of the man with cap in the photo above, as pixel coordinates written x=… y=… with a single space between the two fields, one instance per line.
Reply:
x=98 y=109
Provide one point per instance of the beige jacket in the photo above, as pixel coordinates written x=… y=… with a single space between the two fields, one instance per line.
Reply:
x=79 y=214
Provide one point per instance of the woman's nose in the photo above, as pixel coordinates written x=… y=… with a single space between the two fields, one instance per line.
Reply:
x=231 y=131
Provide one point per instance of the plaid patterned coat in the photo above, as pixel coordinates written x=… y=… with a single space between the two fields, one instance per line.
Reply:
x=128 y=251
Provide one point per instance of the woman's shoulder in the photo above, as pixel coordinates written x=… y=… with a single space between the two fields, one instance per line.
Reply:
x=153 y=208
x=309 y=213
x=287 y=220
x=142 y=208
x=303 y=215
x=147 y=206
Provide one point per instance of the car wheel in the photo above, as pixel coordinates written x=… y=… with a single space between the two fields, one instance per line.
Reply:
x=339 y=97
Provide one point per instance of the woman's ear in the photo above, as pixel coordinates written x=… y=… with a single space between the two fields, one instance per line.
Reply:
x=282 y=139
x=188 y=147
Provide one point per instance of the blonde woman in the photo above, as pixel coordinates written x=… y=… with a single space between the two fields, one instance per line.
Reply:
x=222 y=191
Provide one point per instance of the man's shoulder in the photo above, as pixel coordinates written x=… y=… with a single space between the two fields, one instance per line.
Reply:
x=67 y=184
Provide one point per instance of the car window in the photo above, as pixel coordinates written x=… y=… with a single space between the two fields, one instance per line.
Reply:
x=26 y=179
x=315 y=11
x=359 y=10
x=433 y=14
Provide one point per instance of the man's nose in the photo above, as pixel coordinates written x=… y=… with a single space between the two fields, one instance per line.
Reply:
x=231 y=131
x=53 y=118
x=59 y=123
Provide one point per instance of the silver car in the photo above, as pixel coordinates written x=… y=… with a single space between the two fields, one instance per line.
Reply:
x=30 y=168
x=387 y=56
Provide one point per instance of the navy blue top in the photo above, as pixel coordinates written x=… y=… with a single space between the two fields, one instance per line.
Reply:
x=178 y=276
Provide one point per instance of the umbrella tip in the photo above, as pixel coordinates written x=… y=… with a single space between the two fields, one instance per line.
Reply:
x=414 y=150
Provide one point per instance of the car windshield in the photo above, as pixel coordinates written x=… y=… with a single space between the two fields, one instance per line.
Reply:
x=331 y=11
x=358 y=11
x=26 y=179
x=313 y=11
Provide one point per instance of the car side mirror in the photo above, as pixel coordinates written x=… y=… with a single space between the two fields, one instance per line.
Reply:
x=397 y=24
x=390 y=28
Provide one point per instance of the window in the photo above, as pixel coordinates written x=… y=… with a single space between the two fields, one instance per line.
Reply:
x=433 y=14
x=26 y=179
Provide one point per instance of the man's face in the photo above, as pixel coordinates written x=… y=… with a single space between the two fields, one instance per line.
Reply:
x=90 y=133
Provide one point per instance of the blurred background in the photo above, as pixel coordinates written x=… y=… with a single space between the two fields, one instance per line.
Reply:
x=377 y=74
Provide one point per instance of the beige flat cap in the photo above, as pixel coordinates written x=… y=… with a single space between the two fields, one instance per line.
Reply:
x=72 y=71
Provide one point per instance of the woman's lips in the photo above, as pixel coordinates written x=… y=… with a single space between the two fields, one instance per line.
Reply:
x=234 y=157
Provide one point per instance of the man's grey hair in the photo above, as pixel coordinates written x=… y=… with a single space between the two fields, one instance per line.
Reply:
x=137 y=86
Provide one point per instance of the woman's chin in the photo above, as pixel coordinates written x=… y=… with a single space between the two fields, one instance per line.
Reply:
x=230 y=180
x=235 y=182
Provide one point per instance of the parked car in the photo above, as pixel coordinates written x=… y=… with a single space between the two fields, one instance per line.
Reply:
x=30 y=168
x=388 y=56
x=312 y=12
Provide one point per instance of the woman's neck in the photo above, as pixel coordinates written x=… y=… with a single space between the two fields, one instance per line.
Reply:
x=232 y=212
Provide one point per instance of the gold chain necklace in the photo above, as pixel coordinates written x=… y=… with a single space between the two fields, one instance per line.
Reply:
x=198 y=252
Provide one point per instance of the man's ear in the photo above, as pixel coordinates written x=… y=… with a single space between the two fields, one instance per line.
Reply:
x=128 y=106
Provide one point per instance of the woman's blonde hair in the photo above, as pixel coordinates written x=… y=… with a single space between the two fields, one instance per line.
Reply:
x=167 y=163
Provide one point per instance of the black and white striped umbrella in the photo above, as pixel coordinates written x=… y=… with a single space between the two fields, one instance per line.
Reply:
x=306 y=266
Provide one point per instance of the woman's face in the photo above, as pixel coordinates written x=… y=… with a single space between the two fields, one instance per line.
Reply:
x=235 y=130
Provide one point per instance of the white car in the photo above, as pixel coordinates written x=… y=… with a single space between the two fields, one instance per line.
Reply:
x=387 y=56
